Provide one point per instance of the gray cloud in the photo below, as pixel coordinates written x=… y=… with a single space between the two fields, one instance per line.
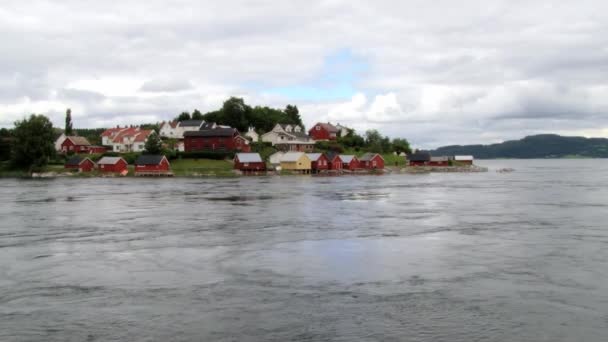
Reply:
x=439 y=72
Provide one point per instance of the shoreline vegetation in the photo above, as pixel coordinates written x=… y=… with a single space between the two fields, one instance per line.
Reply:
x=210 y=168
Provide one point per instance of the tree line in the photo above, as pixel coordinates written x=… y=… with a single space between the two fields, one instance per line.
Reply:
x=236 y=113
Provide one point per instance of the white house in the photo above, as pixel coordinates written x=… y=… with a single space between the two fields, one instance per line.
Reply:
x=342 y=130
x=59 y=141
x=289 y=138
x=128 y=139
x=169 y=130
x=252 y=134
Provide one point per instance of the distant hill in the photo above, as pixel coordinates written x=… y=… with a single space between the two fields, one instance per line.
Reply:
x=534 y=146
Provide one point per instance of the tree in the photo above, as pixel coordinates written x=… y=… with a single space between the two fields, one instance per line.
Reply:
x=68 y=122
x=235 y=113
x=401 y=146
x=183 y=116
x=153 y=145
x=5 y=144
x=196 y=115
x=293 y=115
x=33 y=142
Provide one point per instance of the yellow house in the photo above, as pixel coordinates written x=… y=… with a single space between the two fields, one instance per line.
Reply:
x=296 y=161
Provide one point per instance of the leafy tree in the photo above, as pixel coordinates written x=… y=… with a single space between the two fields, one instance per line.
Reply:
x=196 y=115
x=5 y=144
x=33 y=143
x=401 y=145
x=235 y=113
x=293 y=115
x=183 y=117
x=153 y=145
x=68 y=122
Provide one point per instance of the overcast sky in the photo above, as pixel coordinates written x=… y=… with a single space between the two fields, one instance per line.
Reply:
x=435 y=72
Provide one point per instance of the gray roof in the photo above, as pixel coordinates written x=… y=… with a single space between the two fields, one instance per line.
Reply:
x=218 y=132
x=249 y=157
x=292 y=156
x=314 y=156
x=109 y=160
x=439 y=158
x=369 y=156
x=77 y=140
x=75 y=160
x=419 y=156
x=347 y=158
x=191 y=123
x=149 y=159
x=331 y=155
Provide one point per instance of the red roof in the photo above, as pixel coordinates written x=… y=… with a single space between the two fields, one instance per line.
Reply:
x=143 y=135
x=329 y=127
x=111 y=131
x=125 y=132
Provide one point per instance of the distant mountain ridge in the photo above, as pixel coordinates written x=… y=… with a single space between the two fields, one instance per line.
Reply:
x=534 y=146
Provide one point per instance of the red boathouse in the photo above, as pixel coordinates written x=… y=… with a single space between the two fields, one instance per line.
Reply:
x=249 y=162
x=78 y=163
x=318 y=162
x=150 y=164
x=112 y=165
x=371 y=161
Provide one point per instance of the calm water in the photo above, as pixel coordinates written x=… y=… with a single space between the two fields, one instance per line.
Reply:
x=521 y=256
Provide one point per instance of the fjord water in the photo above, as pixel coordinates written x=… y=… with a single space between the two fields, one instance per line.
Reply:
x=519 y=256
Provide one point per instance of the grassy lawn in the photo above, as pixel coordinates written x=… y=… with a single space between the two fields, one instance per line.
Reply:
x=203 y=167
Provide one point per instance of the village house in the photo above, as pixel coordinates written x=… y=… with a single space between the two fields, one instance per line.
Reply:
x=59 y=141
x=323 y=131
x=169 y=130
x=80 y=164
x=465 y=160
x=75 y=144
x=275 y=159
x=113 y=165
x=252 y=134
x=335 y=161
x=349 y=162
x=176 y=129
x=342 y=130
x=128 y=139
x=296 y=162
x=151 y=165
x=419 y=158
x=249 y=162
x=439 y=161
x=371 y=161
x=215 y=140
x=318 y=162
x=289 y=138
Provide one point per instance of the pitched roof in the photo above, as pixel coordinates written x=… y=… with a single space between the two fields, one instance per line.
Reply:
x=149 y=159
x=419 y=157
x=173 y=124
x=290 y=157
x=191 y=123
x=109 y=160
x=142 y=135
x=78 y=140
x=463 y=158
x=75 y=160
x=369 y=156
x=207 y=125
x=249 y=157
x=439 y=158
x=218 y=132
x=347 y=158
x=125 y=132
x=111 y=131
x=329 y=127
x=314 y=156
x=332 y=155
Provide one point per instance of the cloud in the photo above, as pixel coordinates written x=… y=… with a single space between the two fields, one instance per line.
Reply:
x=481 y=71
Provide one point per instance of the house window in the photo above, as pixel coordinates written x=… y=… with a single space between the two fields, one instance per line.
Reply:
x=374 y=163
x=246 y=164
x=318 y=128
x=141 y=147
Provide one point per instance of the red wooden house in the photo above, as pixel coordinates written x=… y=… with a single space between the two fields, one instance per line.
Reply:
x=74 y=144
x=439 y=161
x=249 y=162
x=324 y=131
x=318 y=162
x=78 y=163
x=419 y=158
x=151 y=164
x=335 y=162
x=371 y=161
x=215 y=140
x=112 y=165
x=350 y=162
